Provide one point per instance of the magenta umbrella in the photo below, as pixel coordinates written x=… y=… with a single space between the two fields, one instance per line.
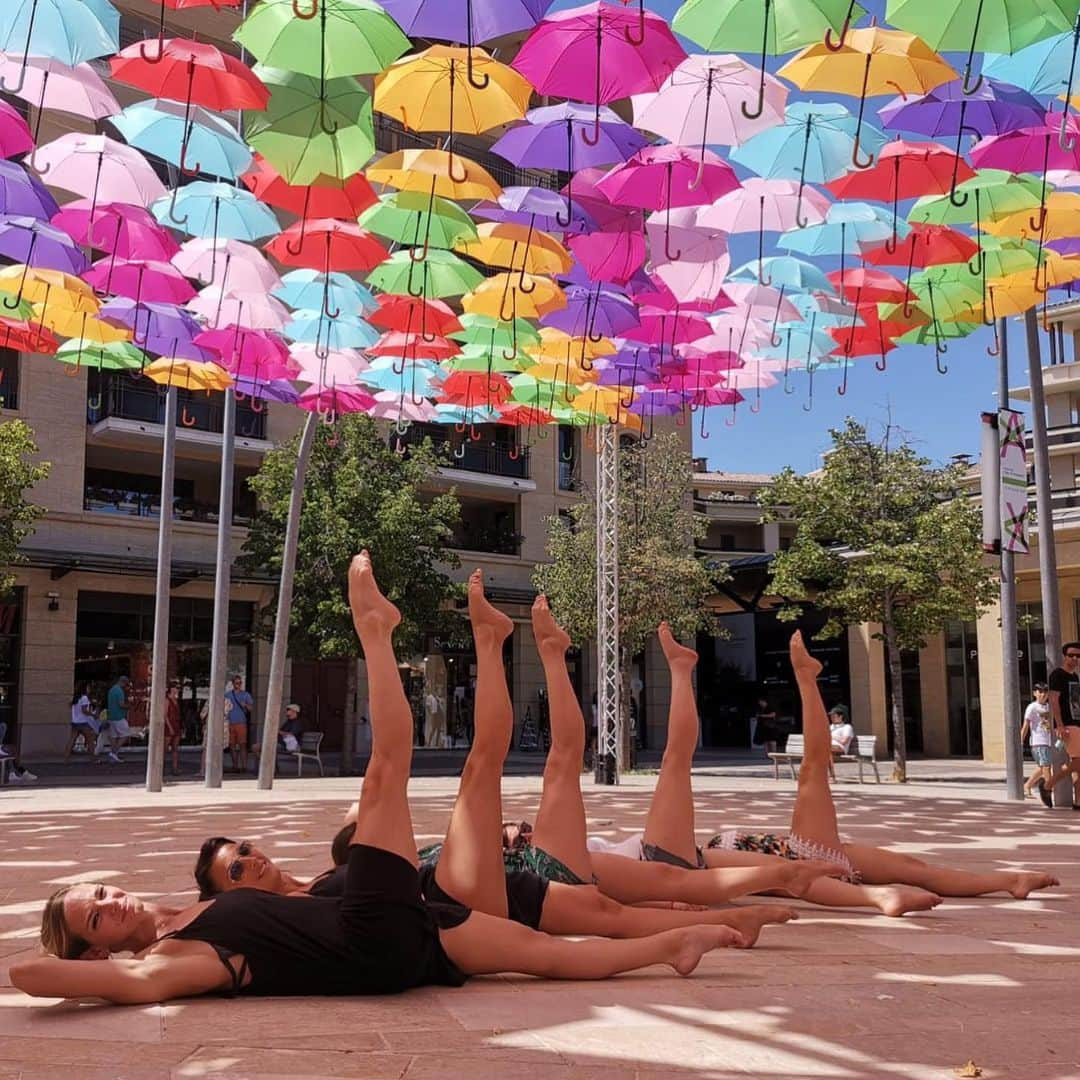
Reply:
x=222 y=307
x=15 y=137
x=332 y=401
x=610 y=254
x=599 y=53
x=251 y=354
x=663 y=177
x=145 y=280
x=123 y=230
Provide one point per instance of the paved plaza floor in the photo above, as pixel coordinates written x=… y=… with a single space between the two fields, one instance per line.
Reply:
x=991 y=981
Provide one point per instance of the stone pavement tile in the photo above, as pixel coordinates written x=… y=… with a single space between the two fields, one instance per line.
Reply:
x=231 y=1060
x=495 y=1065
x=30 y=1051
x=453 y=1041
x=41 y=1018
x=133 y=1070
x=1011 y=1052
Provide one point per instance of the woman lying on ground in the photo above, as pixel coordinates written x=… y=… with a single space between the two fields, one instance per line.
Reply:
x=380 y=937
x=874 y=876
x=468 y=867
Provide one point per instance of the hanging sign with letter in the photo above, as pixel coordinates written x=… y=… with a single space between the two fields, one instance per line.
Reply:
x=1013 y=474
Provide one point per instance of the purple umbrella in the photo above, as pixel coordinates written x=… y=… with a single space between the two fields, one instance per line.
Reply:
x=273 y=390
x=468 y=21
x=547 y=140
x=24 y=195
x=36 y=243
x=538 y=207
x=164 y=329
x=993 y=109
x=600 y=314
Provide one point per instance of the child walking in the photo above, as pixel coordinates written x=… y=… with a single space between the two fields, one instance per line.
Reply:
x=1039 y=725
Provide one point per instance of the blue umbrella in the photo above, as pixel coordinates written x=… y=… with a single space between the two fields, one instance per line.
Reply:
x=182 y=135
x=419 y=378
x=313 y=327
x=846 y=229
x=23 y=194
x=465 y=414
x=70 y=31
x=219 y=211
x=813 y=145
x=837 y=314
x=1047 y=67
x=789 y=273
x=311 y=289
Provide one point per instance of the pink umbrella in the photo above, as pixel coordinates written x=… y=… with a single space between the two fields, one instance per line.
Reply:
x=255 y=310
x=599 y=53
x=663 y=177
x=335 y=400
x=123 y=230
x=145 y=281
x=700 y=103
x=232 y=265
x=762 y=301
x=15 y=137
x=251 y=354
x=335 y=366
x=95 y=165
x=390 y=405
x=49 y=84
x=712 y=353
x=669 y=328
x=704 y=261
x=610 y=255
x=739 y=329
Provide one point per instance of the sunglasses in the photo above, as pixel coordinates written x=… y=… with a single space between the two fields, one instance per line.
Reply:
x=236 y=868
x=1072 y=656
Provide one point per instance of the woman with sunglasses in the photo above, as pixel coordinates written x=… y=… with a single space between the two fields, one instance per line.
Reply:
x=380 y=937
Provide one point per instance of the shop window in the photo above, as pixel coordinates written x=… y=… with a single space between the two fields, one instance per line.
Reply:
x=9 y=379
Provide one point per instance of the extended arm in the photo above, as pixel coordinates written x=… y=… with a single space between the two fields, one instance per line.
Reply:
x=123 y=982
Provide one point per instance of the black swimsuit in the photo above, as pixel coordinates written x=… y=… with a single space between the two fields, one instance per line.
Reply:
x=377 y=937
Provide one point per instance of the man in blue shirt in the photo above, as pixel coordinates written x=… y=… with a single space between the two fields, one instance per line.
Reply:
x=117 y=701
x=240 y=704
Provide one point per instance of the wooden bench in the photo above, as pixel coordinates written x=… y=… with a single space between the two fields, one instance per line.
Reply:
x=865 y=747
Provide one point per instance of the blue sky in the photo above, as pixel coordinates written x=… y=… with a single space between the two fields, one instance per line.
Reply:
x=940 y=413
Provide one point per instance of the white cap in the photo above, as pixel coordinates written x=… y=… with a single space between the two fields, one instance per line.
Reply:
x=293 y=707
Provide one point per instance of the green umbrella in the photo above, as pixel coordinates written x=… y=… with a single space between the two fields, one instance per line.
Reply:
x=483 y=329
x=333 y=37
x=770 y=27
x=997 y=194
x=547 y=394
x=107 y=356
x=414 y=218
x=997 y=26
x=313 y=127
x=443 y=274
x=477 y=357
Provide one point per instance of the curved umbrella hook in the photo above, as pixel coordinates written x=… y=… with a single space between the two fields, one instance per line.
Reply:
x=638 y=39
x=842 y=388
x=526 y=287
x=700 y=174
x=476 y=82
x=590 y=320
x=808 y=405
x=26 y=49
x=594 y=138
x=160 y=41
x=331 y=127
x=570 y=177
x=305 y=15
x=671 y=256
x=755 y=112
x=836 y=44
x=299 y=240
x=953 y=193
x=970 y=87
x=776 y=339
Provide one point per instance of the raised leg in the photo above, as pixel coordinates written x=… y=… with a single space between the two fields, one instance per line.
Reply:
x=471 y=863
x=670 y=822
x=814 y=816
x=560 y=823
x=383 y=818
x=485 y=945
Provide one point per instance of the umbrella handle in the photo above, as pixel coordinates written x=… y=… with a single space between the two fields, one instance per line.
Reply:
x=307 y=16
x=570 y=180
x=995 y=349
x=401 y=426
x=522 y=283
x=41 y=170
x=256 y=405
x=836 y=44
x=1037 y=223
x=881 y=364
x=515 y=451
x=184 y=167
x=299 y=241
x=332 y=127
x=842 y=388
x=399 y=447
x=477 y=82
x=186 y=418
x=326 y=302
x=160 y=43
x=474 y=433
x=450 y=170
x=940 y=348
x=671 y=256
x=970 y=87
x=856 y=151
x=808 y=404
x=172 y=211
x=638 y=39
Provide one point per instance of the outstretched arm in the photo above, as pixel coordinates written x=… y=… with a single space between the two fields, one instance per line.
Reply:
x=123 y=982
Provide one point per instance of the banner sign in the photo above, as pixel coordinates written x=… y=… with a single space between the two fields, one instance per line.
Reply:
x=1013 y=481
x=989 y=482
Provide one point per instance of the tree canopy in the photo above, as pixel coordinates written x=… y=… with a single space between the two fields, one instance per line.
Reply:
x=882 y=536
x=18 y=473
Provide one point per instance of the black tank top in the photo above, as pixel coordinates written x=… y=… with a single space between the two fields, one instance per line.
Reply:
x=321 y=945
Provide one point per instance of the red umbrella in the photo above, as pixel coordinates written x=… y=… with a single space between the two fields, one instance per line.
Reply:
x=193 y=72
x=406 y=313
x=472 y=387
x=870 y=286
x=904 y=170
x=524 y=416
x=325 y=244
x=925 y=245
x=183 y=5
x=414 y=346
x=24 y=336
x=329 y=197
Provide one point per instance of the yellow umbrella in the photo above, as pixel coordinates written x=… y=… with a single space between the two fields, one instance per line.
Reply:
x=600 y=400
x=1062 y=219
x=872 y=61
x=432 y=91
x=502 y=297
x=77 y=322
x=561 y=371
x=517 y=247
x=557 y=346
x=38 y=286
x=428 y=171
x=188 y=374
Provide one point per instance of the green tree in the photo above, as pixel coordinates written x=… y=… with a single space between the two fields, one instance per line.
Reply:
x=18 y=473
x=883 y=537
x=660 y=575
x=358 y=493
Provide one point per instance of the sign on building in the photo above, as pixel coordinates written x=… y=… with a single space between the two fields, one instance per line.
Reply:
x=1012 y=481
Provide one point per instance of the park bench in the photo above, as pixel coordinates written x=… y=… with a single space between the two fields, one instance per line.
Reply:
x=864 y=747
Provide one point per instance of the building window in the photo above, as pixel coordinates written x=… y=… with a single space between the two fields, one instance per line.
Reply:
x=10 y=622
x=568 y=457
x=962 y=681
x=111 y=491
x=9 y=379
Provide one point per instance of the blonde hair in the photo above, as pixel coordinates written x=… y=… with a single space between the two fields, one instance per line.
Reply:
x=56 y=935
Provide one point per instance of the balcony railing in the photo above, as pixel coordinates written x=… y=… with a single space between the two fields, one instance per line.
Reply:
x=140 y=504
x=115 y=394
x=485 y=455
x=492 y=540
x=1058 y=436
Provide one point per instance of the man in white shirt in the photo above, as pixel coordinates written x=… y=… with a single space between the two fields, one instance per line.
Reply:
x=840 y=730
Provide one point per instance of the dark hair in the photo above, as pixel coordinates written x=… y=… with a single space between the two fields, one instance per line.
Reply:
x=207 y=854
x=77 y=693
x=1040 y=686
x=339 y=847
x=1070 y=645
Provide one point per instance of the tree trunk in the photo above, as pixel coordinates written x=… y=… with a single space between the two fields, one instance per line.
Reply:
x=896 y=675
x=348 y=742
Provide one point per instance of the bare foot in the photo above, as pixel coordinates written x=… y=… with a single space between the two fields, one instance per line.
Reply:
x=802 y=873
x=897 y=900
x=692 y=943
x=676 y=654
x=801 y=660
x=749 y=920
x=550 y=637
x=1027 y=881
x=490 y=626
x=373 y=614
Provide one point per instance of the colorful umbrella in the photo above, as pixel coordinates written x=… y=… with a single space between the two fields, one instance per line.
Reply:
x=306 y=288
x=410 y=217
x=15 y=137
x=242 y=266
x=439 y=274
x=121 y=229
x=97 y=166
x=327 y=196
x=50 y=84
x=34 y=242
x=25 y=195
x=216 y=211
x=516 y=247
x=188 y=374
x=103 y=355
x=430 y=171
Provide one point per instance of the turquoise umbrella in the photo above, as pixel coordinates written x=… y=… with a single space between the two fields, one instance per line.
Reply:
x=190 y=137
x=846 y=229
x=314 y=327
x=311 y=289
x=794 y=275
x=219 y=211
